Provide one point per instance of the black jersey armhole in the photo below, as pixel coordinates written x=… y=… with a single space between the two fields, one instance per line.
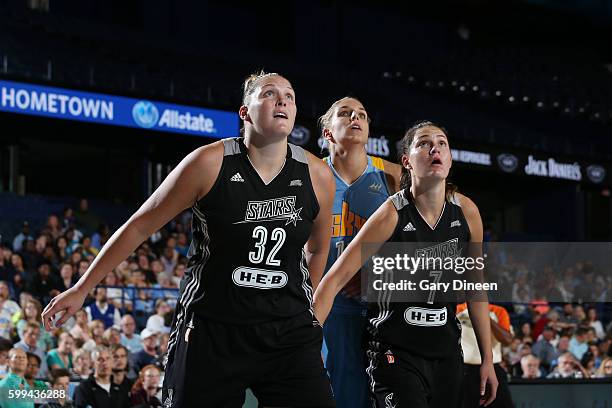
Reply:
x=215 y=185
x=317 y=207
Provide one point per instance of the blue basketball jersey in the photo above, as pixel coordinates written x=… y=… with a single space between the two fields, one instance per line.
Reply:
x=353 y=205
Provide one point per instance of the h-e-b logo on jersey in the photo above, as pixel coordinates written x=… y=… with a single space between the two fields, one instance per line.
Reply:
x=274 y=209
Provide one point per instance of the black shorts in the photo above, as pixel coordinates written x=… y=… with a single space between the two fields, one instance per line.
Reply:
x=411 y=381
x=279 y=361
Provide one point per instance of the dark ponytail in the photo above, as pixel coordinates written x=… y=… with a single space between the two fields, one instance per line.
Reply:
x=404 y=148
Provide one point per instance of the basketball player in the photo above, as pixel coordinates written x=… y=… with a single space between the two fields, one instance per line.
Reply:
x=261 y=230
x=415 y=361
x=363 y=183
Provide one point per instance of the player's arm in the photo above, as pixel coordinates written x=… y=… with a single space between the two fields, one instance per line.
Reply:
x=317 y=246
x=187 y=183
x=479 y=308
x=377 y=230
x=393 y=173
x=501 y=334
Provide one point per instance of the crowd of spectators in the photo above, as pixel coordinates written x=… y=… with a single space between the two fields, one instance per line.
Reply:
x=564 y=342
x=110 y=353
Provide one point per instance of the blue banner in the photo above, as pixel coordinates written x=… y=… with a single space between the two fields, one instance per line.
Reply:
x=68 y=104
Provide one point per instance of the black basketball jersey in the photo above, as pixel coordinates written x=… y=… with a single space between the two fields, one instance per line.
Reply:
x=428 y=329
x=246 y=261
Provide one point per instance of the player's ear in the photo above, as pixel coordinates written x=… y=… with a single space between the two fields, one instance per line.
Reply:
x=243 y=112
x=327 y=135
x=406 y=162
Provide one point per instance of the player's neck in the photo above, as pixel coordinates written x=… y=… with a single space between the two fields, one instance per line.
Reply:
x=429 y=198
x=266 y=156
x=349 y=163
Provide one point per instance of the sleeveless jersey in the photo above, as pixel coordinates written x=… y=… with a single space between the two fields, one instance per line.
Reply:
x=353 y=205
x=246 y=261
x=430 y=330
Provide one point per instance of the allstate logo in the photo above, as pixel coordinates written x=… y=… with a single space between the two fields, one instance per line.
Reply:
x=507 y=162
x=145 y=114
x=299 y=135
x=596 y=173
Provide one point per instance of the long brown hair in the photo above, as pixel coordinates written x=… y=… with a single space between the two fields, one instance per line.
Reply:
x=404 y=148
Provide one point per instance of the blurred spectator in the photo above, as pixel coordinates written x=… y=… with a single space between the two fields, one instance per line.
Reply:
x=61 y=357
x=111 y=336
x=15 y=380
x=31 y=313
x=97 y=336
x=156 y=322
x=182 y=244
x=98 y=391
x=22 y=236
x=85 y=219
x=121 y=367
x=578 y=344
x=148 y=354
x=563 y=344
x=544 y=350
x=513 y=351
x=60 y=382
x=31 y=258
x=102 y=310
x=87 y=249
x=530 y=365
x=99 y=238
x=83 y=265
x=20 y=272
x=605 y=369
x=525 y=333
x=6 y=304
x=44 y=286
x=61 y=247
x=169 y=259
x=116 y=295
x=523 y=350
x=178 y=273
x=67 y=219
x=5 y=347
x=81 y=369
x=595 y=323
x=568 y=368
x=32 y=371
x=53 y=227
x=129 y=337
x=568 y=316
x=66 y=276
x=145 y=392
x=80 y=330
x=29 y=344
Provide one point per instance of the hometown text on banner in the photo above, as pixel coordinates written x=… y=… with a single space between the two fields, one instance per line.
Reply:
x=115 y=110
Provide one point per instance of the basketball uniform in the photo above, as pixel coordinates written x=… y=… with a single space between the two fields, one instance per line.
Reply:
x=413 y=349
x=244 y=317
x=343 y=330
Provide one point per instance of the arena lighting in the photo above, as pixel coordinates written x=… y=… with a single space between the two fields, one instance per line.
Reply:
x=498 y=93
x=475 y=88
x=511 y=99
